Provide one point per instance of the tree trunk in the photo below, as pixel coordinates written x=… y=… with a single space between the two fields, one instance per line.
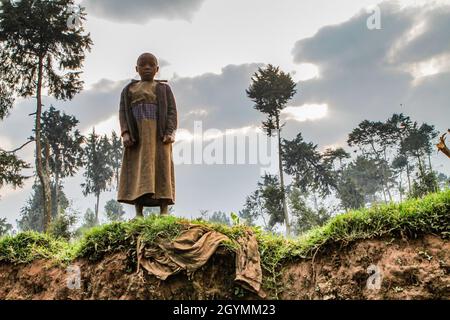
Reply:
x=422 y=173
x=117 y=178
x=41 y=171
x=57 y=193
x=383 y=188
x=408 y=175
x=316 y=206
x=280 y=164
x=429 y=163
x=385 y=178
x=96 y=207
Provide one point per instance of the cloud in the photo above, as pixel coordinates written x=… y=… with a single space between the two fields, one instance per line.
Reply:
x=432 y=38
x=367 y=74
x=219 y=100
x=305 y=112
x=141 y=11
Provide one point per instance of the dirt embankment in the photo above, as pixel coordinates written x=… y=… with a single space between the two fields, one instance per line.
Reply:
x=369 y=269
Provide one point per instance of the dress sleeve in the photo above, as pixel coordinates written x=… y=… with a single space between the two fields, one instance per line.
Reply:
x=122 y=118
x=172 y=117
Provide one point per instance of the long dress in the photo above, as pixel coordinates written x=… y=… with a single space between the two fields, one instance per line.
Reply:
x=147 y=172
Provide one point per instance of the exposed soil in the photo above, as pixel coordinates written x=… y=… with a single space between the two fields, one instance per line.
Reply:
x=409 y=269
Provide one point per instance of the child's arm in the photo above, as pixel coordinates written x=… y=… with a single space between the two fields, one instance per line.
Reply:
x=172 y=116
x=124 y=130
x=122 y=118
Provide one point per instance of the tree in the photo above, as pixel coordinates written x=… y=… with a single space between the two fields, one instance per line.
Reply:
x=418 y=144
x=62 y=224
x=5 y=227
x=331 y=155
x=312 y=173
x=32 y=217
x=39 y=48
x=399 y=164
x=65 y=156
x=401 y=125
x=98 y=171
x=248 y=213
x=116 y=156
x=114 y=210
x=270 y=90
x=366 y=176
x=348 y=192
x=266 y=203
x=305 y=217
x=6 y=99
x=443 y=181
x=89 y=219
x=374 y=138
x=427 y=183
x=10 y=169
x=216 y=217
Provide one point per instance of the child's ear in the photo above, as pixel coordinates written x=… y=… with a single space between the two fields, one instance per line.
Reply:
x=136 y=68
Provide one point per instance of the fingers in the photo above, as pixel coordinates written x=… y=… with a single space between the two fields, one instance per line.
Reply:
x=127 y=143
x=168 y=139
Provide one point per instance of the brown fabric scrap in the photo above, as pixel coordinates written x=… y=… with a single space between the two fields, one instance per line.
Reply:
x=248 y=266
x=192 y=249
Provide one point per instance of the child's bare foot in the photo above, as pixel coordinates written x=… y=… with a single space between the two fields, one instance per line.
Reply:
x=139 y=208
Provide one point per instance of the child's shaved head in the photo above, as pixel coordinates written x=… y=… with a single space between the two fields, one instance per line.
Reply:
x=146 y=55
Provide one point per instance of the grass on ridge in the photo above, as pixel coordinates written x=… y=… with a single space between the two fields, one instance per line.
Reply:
x=429 y=215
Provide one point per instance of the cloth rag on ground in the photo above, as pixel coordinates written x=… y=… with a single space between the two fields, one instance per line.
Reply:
x=192 y=249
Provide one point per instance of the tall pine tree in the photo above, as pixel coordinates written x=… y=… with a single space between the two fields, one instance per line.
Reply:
x=40 y=48
x=270 y=90
x=98 y=169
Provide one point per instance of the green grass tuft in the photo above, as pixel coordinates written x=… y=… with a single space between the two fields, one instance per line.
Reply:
x=28 y=246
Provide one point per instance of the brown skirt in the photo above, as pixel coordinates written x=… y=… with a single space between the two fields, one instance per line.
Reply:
x=147 y=174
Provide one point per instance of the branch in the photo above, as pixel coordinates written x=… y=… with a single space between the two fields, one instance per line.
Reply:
x=17 y=149
x=442 y=146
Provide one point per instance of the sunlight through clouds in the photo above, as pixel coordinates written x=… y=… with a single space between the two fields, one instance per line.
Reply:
x=429 y=67
x=105 y=127
x=305 y=71
x=305 y=112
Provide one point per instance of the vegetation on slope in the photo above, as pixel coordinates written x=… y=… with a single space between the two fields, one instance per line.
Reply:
x=428 y=215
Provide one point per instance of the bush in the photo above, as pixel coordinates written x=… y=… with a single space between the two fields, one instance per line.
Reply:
x=61 y=226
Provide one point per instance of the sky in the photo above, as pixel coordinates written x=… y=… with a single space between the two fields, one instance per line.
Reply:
x=351 y=60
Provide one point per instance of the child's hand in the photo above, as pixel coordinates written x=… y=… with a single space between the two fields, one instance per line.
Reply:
x=168 y=139
x=127 y=141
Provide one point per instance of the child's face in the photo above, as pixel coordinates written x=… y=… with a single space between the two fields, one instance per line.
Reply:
x=147 y=67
